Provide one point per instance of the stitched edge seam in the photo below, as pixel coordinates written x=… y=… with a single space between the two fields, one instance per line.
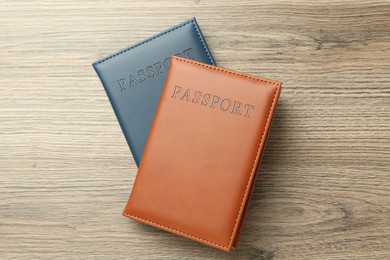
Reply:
x=225 y=70
x=143 y=42
x=158 y=35
x=203 y=43
x=177 y=231
x=254 y=163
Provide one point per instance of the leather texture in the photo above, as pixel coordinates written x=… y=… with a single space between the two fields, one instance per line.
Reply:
x=202 y=155
x=133 y=78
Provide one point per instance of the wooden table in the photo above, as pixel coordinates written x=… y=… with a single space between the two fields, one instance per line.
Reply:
x=66 y=171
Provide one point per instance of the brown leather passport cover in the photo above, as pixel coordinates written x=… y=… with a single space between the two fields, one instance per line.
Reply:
x=200 y=161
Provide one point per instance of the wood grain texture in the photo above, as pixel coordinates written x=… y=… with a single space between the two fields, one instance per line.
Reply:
x=66 y=172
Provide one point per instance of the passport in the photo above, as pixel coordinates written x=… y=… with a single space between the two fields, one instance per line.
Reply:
x=133 y=78
x=201 y=158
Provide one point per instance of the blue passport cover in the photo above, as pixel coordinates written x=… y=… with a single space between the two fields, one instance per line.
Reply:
x=133 y=78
